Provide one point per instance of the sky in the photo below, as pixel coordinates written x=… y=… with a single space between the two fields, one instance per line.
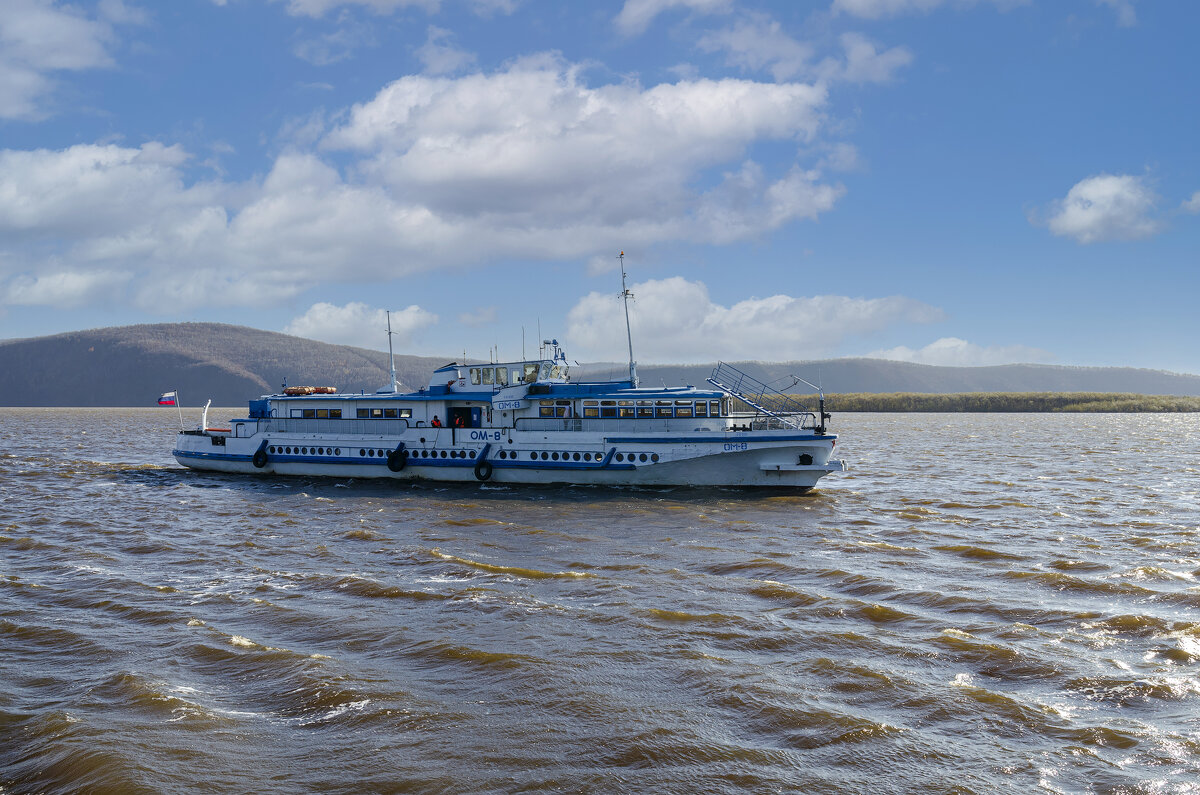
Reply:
x=959 y=182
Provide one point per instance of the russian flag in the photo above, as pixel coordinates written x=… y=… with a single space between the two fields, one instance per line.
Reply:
x=167 y=399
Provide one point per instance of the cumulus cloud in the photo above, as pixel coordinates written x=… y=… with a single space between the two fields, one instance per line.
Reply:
x=1105 y=207
x=439 y=56
x=40 y=38
x=636 y=15
x=955 y=352
x=1126 y=15
x=437 y=173
x=675 y=320
x=64 y=289
x=318 y=8
x=879 y=9
x=756 y=42
x=359 y=325
x=1192 y=205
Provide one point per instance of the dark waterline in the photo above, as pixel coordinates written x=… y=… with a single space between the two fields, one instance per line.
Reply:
x=983 y=603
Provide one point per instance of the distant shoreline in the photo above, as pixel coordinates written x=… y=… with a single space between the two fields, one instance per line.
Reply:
x=1012 y=402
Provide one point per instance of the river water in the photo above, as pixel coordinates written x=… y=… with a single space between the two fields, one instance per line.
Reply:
x=984 y=603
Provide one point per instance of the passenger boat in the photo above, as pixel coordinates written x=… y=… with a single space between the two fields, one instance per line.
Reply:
x=529 y=422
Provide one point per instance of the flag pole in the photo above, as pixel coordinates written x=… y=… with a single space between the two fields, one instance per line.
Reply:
x=179 y=406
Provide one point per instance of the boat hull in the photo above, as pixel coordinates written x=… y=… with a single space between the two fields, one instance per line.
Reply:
x=794 y=461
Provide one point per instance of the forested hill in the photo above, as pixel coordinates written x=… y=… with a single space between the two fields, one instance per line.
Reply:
x=132 y=365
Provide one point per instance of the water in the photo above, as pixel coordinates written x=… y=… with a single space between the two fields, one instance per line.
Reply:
x=985 y=603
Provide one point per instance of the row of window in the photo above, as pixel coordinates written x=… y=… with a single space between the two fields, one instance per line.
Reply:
x=633 y=409
x=527 y=374
x=319 y=414
x=368 y=452
x=384 y=414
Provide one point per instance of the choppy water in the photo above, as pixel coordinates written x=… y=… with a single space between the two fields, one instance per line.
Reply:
x=985 y=603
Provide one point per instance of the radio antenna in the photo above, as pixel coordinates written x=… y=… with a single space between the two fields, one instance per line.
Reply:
x=625 y=296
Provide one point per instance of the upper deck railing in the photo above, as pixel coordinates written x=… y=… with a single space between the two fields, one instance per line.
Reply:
x=788 y=410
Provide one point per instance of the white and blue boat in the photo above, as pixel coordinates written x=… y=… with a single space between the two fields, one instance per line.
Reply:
x=529 y=422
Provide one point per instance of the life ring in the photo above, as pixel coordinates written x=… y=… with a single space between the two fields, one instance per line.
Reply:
x=483 y=470
x=397 y=459
x=260 y=458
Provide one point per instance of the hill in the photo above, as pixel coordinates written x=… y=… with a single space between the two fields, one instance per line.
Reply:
x=132 y=365
x=879 y=375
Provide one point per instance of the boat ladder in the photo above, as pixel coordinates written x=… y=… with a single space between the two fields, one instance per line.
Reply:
x=789 y=410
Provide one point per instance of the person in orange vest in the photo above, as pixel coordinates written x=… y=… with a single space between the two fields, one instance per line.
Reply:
x=436 y=422
x=458 y=421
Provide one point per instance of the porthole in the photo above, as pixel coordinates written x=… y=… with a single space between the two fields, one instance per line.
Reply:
x=337 y=451
x=501 y=455
x=544 y=456
x=654 y=457
x=587 y=456
x=533 y=456
x=371 y=453
x=472 y=454
x=270 y=449
x=362 y=451
x=642 y=457
x=620 y=456
x=554 y=456
x=443 y=454
x=576 y=456
x=288 y=450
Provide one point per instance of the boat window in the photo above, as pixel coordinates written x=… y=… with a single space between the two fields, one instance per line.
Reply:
x=591 y=411
x=645 y=403
x=554 y=371
x=545 y=373
x=645 y=411
x=546 y=411
x=364 y=413
x=389 y=414
x=608 y=402
x=487 y=375
x=625 y=411
x=531 y=370
x=335 y=414
x=662 y=411
x=323 y=414
x=502 y=376
x=405 y=413
x=607 y=410
x=563 y=371
x=702 y=408
x=376 y=414
x=591 y=402
x=310 y=413
x=475 y=376
x=714 y=408
x=624 y=402
x=297 y=413
x=683 y=408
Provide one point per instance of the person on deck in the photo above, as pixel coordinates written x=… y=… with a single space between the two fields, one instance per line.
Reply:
x=436 y=423
x=458 y=421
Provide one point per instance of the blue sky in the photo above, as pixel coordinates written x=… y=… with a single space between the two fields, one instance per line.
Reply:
x=941 y=181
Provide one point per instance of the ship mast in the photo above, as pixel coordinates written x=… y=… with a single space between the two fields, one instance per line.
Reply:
x=391 y=356
x=625 y=296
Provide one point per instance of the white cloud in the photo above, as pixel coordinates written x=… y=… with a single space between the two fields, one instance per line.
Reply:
x=337 y=45
x=39 y=38
x=440 y=173
x=675 y=320
x=955 y=352
x=636 y=15
x=482 y=316
x=756 y=42
x=1126 y=15
x=360 y=325
x=866 y=64
x=318 y=8
x=1192 y=205
x=878 y=9
x=64 y=289
x=1106 y=207
x=439 y=57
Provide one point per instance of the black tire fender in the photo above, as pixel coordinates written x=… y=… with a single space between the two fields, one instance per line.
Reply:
x=260 y=458
x=483 y=470
x=397 y=459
